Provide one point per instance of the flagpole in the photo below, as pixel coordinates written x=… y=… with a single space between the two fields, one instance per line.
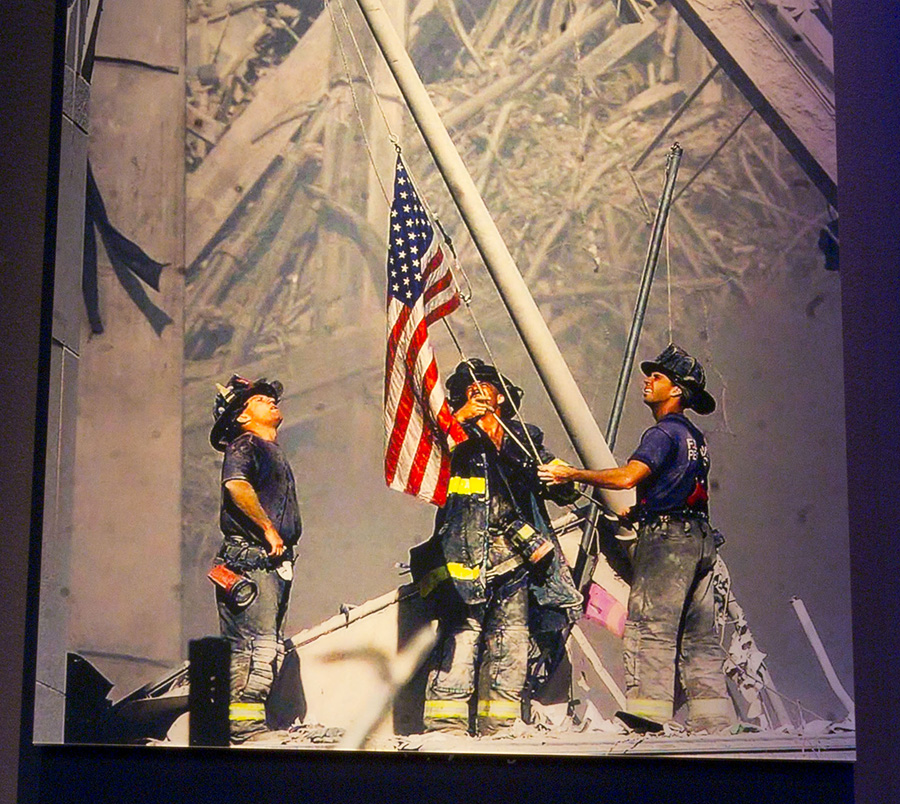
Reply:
x=573 y=410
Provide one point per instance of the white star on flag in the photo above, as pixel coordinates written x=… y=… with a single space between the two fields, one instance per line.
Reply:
x=420 y=429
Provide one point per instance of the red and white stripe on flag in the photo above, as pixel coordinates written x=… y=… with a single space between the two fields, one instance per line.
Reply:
x=419 y=428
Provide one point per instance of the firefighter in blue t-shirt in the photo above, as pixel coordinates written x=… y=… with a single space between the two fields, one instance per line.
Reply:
x=260 y=523
x=671 y=620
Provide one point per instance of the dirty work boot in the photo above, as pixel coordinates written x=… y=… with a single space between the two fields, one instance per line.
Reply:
x=638 y=723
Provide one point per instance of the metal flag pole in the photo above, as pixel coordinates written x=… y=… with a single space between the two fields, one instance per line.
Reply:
x=564 y=393
x=640 y=308
x=580 y=570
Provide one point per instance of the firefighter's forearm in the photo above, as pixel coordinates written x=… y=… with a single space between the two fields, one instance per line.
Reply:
x=618 y=477
x=245 y=498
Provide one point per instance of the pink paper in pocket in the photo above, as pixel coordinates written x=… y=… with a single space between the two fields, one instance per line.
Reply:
x=603 y=608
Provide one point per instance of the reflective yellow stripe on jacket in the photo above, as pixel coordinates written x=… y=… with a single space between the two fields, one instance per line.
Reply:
x=466 y=485
x=450 y=570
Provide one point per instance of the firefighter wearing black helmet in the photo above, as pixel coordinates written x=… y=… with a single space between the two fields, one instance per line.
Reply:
x=671 y=620
x=492 y=569
x=260 y=523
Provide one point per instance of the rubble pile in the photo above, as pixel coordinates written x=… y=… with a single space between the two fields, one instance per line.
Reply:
x=231 y=46
x=552 y=154
x=555 y=162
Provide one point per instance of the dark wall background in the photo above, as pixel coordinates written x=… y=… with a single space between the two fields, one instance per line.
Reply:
x=868 y=77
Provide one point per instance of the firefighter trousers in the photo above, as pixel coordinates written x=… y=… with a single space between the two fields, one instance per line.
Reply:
x=487 y=642
x=671 y=627
x=256 y=639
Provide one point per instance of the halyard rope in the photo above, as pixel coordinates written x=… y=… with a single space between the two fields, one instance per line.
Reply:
x=464 y=297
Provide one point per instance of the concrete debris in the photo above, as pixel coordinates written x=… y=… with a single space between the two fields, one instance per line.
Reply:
x=818 y=727
x=593 y=721
x=556 y=718
x=552 y=158
x=299 y=735
x=550 y=716
x=673 y=729
x=265 y=739
x=315 y=733
x=229 y=52
x=448 y=742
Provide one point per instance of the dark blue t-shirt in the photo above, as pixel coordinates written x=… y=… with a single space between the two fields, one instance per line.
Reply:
x=676 y=452
x=263 y=465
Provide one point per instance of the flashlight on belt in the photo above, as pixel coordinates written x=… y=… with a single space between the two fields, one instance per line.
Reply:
x=529 y=543
x=239 y=591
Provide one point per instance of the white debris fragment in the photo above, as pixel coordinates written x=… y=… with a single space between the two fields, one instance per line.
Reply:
x=551 y=716
x=592 y=720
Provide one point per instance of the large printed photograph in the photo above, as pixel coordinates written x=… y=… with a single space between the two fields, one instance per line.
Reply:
x=456 y=376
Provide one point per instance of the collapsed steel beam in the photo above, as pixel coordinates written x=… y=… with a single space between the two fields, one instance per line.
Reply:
x=794 y=99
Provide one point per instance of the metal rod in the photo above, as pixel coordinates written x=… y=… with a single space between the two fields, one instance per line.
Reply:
x=674 y=118
x=813 y=636
x=781 y=712
x=640 y=309
x=589 y=536
x=599 y=668
x=580 y=572
x=715 y=153
x=564 y=393
x=587 y=547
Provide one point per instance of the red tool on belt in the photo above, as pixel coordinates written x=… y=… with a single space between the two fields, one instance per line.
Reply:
x=240 y=591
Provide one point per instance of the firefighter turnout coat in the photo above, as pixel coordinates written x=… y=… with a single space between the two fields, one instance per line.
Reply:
x=495 y=497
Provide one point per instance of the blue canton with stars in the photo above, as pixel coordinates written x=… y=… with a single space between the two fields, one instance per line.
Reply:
x=410 y=237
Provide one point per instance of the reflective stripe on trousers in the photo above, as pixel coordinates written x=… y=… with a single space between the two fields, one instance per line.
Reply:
x=238 y=710
x=501 y=710
x=498 y=631
x=254 y=635
x=447 y=710
x=671 y=623
x=658 y=711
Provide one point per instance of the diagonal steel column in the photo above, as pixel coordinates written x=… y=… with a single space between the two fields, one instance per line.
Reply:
x=564 y=393
x=791 y=93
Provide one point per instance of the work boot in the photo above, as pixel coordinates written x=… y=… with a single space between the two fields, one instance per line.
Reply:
x=639 y=724
x=710 y=726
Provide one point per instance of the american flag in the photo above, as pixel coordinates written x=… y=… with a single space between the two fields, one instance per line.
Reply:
x=419 y=428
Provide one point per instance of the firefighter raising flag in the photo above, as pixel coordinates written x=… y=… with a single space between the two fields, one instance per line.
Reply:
x=419 y=428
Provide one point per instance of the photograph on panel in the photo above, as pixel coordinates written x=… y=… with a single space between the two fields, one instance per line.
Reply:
x=458 y=377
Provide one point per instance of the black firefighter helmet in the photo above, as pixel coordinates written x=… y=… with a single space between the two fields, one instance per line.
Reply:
x=472 y=370
x=230 y=401
x=687 y=373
